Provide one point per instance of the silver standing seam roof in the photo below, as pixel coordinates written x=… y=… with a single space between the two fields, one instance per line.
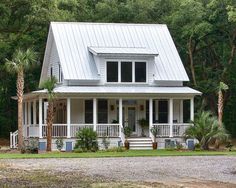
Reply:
x=73 y=40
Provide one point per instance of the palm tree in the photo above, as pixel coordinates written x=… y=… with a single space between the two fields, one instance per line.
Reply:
x=222 y=87
x=49 y=85
x=206 y=128
x=21 y=62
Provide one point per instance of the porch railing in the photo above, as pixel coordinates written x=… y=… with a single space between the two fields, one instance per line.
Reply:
x=14 y=139
x=74 y=128
x=58 y=130
x=108 y=130
x=178 y=129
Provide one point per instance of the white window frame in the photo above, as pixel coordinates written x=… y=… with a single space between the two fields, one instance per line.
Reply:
x=119 y=71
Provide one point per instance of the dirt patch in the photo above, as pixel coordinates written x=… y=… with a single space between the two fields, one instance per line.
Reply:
x=4 y=142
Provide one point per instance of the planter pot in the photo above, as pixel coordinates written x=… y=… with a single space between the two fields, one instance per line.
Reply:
x=154 y=145
x=126 y=145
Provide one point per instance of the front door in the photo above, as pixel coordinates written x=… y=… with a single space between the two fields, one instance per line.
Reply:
x=129 y=115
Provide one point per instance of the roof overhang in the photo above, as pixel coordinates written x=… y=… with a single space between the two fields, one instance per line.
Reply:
x=122 y=51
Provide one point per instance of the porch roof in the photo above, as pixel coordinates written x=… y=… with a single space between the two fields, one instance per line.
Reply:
x=122 y=90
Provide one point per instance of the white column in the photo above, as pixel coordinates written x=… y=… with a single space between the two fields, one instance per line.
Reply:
x=68 y=118
x=29 y=113
x=120 y=114
x=34 y=112
x=25 y=113
x=40 y=117
x=171 y=116
x=192 y=109
x=181 y=111
x=150 y=116
x=94 y=114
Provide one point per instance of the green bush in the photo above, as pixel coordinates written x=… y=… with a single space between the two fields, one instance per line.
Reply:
x=30 y=146
x=60 y=143
x=86 y=140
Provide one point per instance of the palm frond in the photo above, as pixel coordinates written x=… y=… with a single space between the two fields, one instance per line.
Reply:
x=49 y=85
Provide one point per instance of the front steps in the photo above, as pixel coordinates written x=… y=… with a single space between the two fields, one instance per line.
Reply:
x=144 y=143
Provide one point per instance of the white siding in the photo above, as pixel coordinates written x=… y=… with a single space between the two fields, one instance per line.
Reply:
x=77 y=111
x=54 y=62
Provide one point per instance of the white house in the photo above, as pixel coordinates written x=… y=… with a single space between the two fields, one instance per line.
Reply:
x=110 y=76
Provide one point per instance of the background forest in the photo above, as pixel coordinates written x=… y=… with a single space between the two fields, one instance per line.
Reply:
x=204 y=32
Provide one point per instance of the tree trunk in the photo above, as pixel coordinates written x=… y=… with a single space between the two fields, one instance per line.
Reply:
x=50 y=116
x=20 y=92
x=190 y=51
x=220 y=107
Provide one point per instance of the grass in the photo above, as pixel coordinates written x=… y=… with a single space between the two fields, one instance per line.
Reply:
x=129 y=153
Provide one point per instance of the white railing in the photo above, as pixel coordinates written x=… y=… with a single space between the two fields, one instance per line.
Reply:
x=14 y=139
x=178 y=129
x=74 y=128
x=32 y=130
x=108 y=130
x=163 y=130
x=58 y=130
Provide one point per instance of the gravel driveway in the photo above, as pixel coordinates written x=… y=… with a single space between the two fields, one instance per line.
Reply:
x=168 y=170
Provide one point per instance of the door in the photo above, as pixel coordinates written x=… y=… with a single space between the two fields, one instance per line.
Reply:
x=130 y=118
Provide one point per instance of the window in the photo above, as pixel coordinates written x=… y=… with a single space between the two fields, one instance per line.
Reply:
x=186 y=111
x=51 y=71
x=163 y=111
x=112 y=71
x=102 y=111
x=88 y=111
x=140 y=71
x=126 y=71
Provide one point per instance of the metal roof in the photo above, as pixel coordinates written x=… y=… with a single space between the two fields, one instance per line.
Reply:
x=122 y=90
x=73 y=39
x=122 y=51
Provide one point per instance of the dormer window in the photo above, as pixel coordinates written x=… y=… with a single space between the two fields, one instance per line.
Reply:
x=126 y=71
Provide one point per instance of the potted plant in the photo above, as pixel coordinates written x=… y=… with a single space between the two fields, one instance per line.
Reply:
x=59 y=143
x=143 y=123
x=154 y=130
x=127 y=132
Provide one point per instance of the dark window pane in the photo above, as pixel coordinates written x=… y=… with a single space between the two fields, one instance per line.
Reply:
x=102 y=111
x=186 y=111
x=163 y=111
x=112 y=71
x=88 y=111
x=140 y=72
x=126 y=71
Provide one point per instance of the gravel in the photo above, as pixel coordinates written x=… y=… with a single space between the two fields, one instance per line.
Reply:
x=147 y=169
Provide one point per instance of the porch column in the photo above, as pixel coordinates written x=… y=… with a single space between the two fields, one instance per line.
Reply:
x=94 y=114
x=34 y=112
x=150 y=116
x=171 y=116
x=40 y=118
x=68 y=118
x=25 y=113
x=120 y=115
x=29 y=113
x=192 y=109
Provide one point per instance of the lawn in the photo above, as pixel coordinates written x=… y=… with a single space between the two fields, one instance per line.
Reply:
x=129 y=153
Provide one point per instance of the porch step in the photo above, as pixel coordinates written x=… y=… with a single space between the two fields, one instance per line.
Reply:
x=140 y=143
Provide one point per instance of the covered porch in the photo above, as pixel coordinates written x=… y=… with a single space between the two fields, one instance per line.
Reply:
x=108 y=116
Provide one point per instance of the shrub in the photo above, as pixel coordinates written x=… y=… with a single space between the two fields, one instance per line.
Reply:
x=127 y=131
x=229 y=146
x=206 y=129
x=60 y=143
x=87 y=140
x=30 y=146
x=179 y=146
x=105 y=142
x=197 y=147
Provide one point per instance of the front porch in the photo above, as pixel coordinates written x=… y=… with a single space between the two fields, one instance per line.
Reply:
x=108 y=116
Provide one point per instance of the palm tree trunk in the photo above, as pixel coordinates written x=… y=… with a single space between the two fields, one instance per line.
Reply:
x=220 y=107
x=20 y=92
x=50 y=116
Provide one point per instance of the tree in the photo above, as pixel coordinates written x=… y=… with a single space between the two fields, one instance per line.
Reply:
x=206 y=129
x=21 y=62
x=222 y=87
x=49 y=85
